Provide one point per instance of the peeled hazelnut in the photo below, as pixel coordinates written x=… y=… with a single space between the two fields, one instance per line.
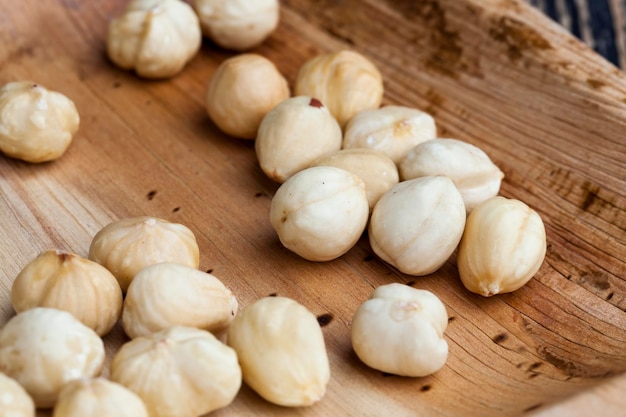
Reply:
x=281 y=350
x=320 y=212
x=126 y=246
x=345 y=81
x=44 y=348
x=237 y=24
x=502 y=248
x=168 y=294
x=68 y=282
x=294 y=134
x=36 y=124
x=14 y=400
x=471 y=170
x=98 y=397
x=242 y=91
x=392 y=130
x=417 y=224
x=178 y=372
x=377 y=171
x=399 y=330
x=156 y=38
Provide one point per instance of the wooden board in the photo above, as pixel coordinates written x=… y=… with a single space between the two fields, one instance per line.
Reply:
x=497 y=73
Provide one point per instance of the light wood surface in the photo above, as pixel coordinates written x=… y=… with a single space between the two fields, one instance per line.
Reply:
x=550 y=112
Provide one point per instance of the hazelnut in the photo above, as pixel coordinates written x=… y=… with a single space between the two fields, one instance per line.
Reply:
x=36 y=124
x=392 y=130
x=471 y=170
x=14 y=400
x=168 y=294
x=178 y=372
x=399 y=330
x=345 y=81
x=320 y=212
x=68 y=282
x=417 y=224
x=281 y=350
x=126 y=246
x=294 y=134
x=242 y=91
x=44 y=348
x=502 y=248
x=156 y=38
x=98 y=397
x=237 y=24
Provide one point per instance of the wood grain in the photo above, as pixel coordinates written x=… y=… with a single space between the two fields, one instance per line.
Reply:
x=549 y=111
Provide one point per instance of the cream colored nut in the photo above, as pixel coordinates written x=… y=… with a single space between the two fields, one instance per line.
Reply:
x=238 y=24
x=178 y=372
x=392 y=130
x=44 y=348
x=345 y=81
x=168 y=294
x=320 y=212
x=98 y=397
x=294 y=134
x=503 y=247
x=36 y=124
x=126 y=246
x=471 y=170
x=417 y=224
x=399 y=330
x=281 y=350
x=242 y=91
x=69 y=282
x=377 y=171
x=14 y=400
x=156 y=38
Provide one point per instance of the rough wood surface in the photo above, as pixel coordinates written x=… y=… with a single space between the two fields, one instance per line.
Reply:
x=497 y=73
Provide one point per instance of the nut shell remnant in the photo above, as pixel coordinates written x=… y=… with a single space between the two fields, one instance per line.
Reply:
x=281 y=350
x=206 y=372
x=242 y=91
x=14 y=400
x=156 y=38
x=238 y=24
x=44 y=348
x=399 y=330
x=345 y=81
x=168 y=294
x=503 y=246
x=294 y=134
x=36 y=124
x=126 y=246
x=69 y=282
x=392 y=130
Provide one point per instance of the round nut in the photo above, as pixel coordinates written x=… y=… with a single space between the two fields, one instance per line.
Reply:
x=237 y=24
x=242 y=91
x=320 y=212
x=36 y=124
x=503 y=247
x=417 y=224
x=206 y=370
x=68 y=282
x=14 y=400
x=44 y=348
x=294 y=134
x=98 y=397
x=156 y=38
x=126 y=246
x=281 y=350
x=399 y=330
x=345 y=81
x=471 y=170
x=392 y=130
x=168 y=294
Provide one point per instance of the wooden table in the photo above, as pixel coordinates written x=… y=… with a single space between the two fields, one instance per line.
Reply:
x=549 y=111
